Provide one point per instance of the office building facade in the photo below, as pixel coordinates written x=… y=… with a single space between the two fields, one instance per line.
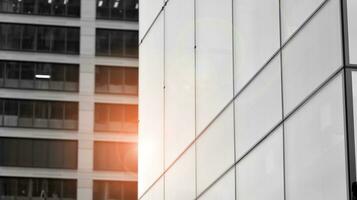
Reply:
x=68 y=99
x=247 y=99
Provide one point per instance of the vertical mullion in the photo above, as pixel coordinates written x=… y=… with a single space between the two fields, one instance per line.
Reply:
x=349 y=137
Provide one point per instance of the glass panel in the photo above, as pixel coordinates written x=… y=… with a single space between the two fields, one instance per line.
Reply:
x=23 y=187
x=24 y=152
x=263 y=166
x=99 y=190
x=8 y=187
x=179 y=77
x=28 y=37
x=261 y=97
x=102 y=42
x=117 y=43
x=103 y=8
x=70 y=155
x=12 y=74
x=101 y=79
x=73 y=40
x=44 y=36
x=14 y=37
x=44 y=7
x=59 y=38
x=315 y=149
x=256 y=36
x=25 y=114
x=312 y=56
x=54 y=189
x=40 y=152
x=116 y=80
x=9 y=149
x=43 y=73
x=58 y=7
x=69 y=189
x=130 y=190
x=215 y=150
x=295 y=13
x=55 y=154
x=73 y=8
x=27 y=75
x=29 y=6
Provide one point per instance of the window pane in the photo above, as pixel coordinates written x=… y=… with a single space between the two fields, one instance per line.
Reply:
x=11 y=107
x=71 y=111
x=131 y=113
x=41 y=110
x=28 y=37
x=131 y=44
x=14 y=37
x=117 y=43
x=27 y=71
x=24 y=152
x=102 y=42
x=73 y=40
x=131 y=76
x=58 y=7
x=117 y=9
x=57 y=72
x=264 y=165
x=129 y=190
x=115 y=190
x=315 y=151
x=101 y=79
x=57 y=110
x=44 y=36
x=99 y=190
x=40 y=151
x=69 y=189
x=59 y=36
x=55 y=154
x=28 y=6
x=9 y=149
x=8 y=187
x=44 y=7
x=73 y=8
x=72 y=74
x=3 y=35
x=12 y=70
x=70 y=155
x=116 y=76
x=103 y=8
x=26 y=109
x=54 y=188
x=131 y=9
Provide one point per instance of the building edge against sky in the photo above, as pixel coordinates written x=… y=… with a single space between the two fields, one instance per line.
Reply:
x=68 y=99
x=247 y=99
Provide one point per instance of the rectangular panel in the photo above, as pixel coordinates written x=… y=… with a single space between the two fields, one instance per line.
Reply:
x=215 y=150
x=262 y=166
x=315 y=147
x=148 y=11
x=256 y=36
x=295 y=13
x=352 y=30
x=223 y=189
x=258 y=108
x=156 y=192
x=151 y=109
x=179 y=78
x=180 y=179
x=213 y=56
x=312 y=55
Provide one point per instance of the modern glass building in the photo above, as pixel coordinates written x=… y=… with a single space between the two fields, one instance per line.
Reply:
x=248 y=99
x=68 y=99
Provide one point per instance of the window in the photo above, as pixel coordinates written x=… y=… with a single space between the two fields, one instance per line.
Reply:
x=118 y=9
x=40 y=76
x=116 y=118
x=117 y=43
x=116 y=80
x=40 y=114
x=24 y=188
x=20 y=152
x=115 y=156
x=65 y=8
x=116 y=190
x=39 y=38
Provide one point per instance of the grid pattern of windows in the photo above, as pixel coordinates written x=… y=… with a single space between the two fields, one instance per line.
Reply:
x=244 y=93
x=39 y=76
x=115 y=156
x=39 y=38
x=117 y=43
x=38 y=114
x=119 y=118
x=116 y=80
x=38 y=153
x=61 y=8
x=37 y=188
x=114 y=190
x=127 y=10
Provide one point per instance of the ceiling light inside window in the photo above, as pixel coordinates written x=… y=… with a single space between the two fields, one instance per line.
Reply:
x=100 y=3
x=116 y=4
x=65 y=2
x=137 y=6
x=49 y=1
x=43 y=76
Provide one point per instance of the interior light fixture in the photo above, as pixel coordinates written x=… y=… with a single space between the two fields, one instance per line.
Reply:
x=49 y=1
x=116 y=4
x=65 y=2
x=137 y=6
x=100 y=3
x=43 y=76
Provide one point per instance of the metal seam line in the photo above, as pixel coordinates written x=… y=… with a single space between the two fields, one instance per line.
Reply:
x=239 y=93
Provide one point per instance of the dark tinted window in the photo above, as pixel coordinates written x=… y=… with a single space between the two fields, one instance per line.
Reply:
x=40 y=76
x=31 y=188
x=117 y=43
x=116 y=80
x=39 y=38
x=115 y=190
x=19 y=152
x=118 y=118
x=118 y=9
x=40 y=114
x=42 y=7
x=115 y=156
